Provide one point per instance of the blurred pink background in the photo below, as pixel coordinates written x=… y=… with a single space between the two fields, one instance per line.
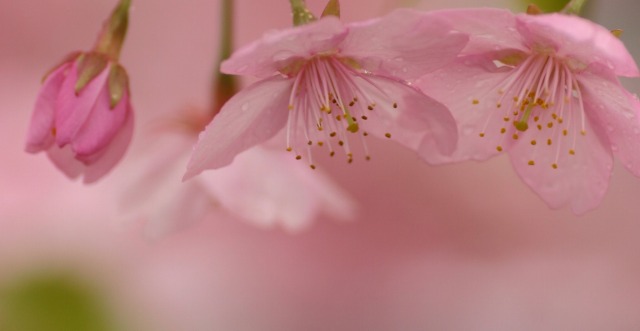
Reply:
x=459 y=247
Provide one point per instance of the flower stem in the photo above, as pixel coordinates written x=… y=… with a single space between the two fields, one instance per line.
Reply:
x=300 y=12
x=224 y=86
x=574 y=7
x=114 y=31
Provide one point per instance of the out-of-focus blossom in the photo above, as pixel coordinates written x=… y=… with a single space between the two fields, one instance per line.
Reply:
x=263 y=187
x=82 y=117
x=331 y=84
x=544 y=89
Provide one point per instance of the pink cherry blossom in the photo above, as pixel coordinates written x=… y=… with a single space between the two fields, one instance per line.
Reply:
x=82 y=117
x=544 y=89
x=279 y=193
x=82 y=133
x=331 y=84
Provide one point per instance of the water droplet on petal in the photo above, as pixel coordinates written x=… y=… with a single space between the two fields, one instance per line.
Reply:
x=282 y=55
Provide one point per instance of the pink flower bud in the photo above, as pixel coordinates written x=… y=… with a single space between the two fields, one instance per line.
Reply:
x=82 y=117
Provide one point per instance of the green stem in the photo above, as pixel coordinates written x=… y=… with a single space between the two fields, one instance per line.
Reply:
x=114 y=31
x=224 y=86
x=301 y=15
x=574 y=7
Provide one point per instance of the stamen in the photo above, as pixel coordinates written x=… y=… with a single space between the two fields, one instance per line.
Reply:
x=544 y=88
x=329 y=99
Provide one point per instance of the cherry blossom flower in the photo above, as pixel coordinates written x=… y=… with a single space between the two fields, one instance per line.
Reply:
x=279 y=193
x=82 y=117
x=328 y=84
x=544 y=89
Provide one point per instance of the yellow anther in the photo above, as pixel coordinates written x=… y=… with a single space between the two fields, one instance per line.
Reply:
x=475 y=101
x=572 y=152
x=388 y=135
x=499 y=148
x=531 y=163
x=554 y=166
x=617 y=33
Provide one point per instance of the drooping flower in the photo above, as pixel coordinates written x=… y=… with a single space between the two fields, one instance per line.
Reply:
x=82 y=117
x=544 y=89
x=280 y=193
x=330 y=84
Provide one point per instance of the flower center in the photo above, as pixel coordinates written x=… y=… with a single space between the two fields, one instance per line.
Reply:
x=543 y=95
x=330 y=102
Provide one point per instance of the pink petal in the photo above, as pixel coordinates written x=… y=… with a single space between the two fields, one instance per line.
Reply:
x=276 y=50
x=252 y=116
x=580 y=180
x=416 y=121
x=102 y=124
x=64 y=159
x=112 y=154
x=40 y=135
x=73 y=110
x=490 y=29
x=469 y=88
x=580 y=39
x=281 y=191
x=405 y=44
x=608 y=103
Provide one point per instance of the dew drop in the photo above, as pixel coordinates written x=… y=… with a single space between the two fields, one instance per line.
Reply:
x=282 y=55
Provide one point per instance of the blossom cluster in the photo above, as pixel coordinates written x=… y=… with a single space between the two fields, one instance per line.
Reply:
x=451 y=85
